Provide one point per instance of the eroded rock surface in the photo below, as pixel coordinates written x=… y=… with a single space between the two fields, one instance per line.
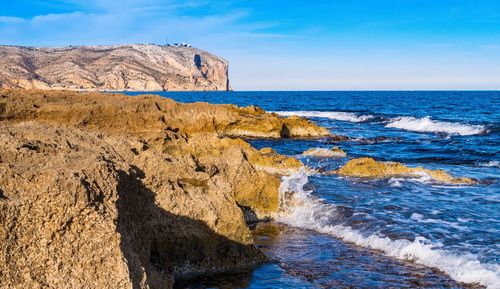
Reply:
x=149 y=115
x=369 y=168
x=110 y=191
x=119 y=67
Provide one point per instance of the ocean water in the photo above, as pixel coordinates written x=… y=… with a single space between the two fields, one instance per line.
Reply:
x=360 y=233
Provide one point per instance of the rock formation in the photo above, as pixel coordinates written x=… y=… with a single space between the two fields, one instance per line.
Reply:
x=120 y=67
x=369 y=168
x=149 y=115
x=324 y=152
x=110 y=191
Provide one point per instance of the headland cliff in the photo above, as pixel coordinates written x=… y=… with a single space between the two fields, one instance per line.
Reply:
x=137 y=67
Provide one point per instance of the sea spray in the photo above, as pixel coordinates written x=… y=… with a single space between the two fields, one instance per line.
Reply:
x=335 y=115
x=300 y=208
x=426 y=124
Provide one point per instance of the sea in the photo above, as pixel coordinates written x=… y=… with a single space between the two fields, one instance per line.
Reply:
x=384 y=233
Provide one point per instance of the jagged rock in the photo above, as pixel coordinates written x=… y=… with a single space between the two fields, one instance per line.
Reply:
x=268 y=160
x=369 y=168
x=87 y=210
x=257 y=190
x=103 y=190
x=323 y=152
x=149 y=115
x=118 y=67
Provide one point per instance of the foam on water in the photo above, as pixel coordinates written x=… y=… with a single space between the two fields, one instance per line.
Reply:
x=420 y=218
x=335 y=115
x=494 y=164
x=426 y=124
x=422 y=178
x=299 y=208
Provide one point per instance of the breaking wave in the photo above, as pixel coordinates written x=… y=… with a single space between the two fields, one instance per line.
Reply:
x=426 y=124
x=300 y=209
x=494 y=164
x=335 y=115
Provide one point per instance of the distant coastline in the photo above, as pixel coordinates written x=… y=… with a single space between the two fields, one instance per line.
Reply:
x=113 y=68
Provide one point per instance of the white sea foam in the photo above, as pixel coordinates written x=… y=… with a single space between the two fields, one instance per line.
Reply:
x=299 y=208
x=495 y=164
x=426 y=124
x=420 y=218
x=335 y=115
x=420 y=177
x=395 y=182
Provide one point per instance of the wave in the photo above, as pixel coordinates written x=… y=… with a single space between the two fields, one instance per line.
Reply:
x=494 y=164
x=420 y=218
x=335 y=115
x=300 y=209
x=426 y=124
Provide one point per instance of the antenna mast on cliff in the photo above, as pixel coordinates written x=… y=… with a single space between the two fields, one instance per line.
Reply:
x=166 y=39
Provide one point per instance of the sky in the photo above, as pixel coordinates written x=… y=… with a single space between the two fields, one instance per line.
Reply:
x=290 y=45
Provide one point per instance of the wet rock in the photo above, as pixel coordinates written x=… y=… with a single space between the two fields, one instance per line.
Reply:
x=379 y=139
x=337 y=138
x=369 y=168
x=324 y=152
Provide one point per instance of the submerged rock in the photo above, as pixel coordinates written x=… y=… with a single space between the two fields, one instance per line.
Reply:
x=369 y=168
x=323 y=152
x=337 y=138
x=103 y=190
x=379 y=139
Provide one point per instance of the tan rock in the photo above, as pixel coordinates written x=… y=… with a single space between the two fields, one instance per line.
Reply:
x=268 y=160
x=118 y=67
x=150 y=115
x=323 y=152
x=110 y=191
x=369 y=168
x=258 y=190
x=84 y=210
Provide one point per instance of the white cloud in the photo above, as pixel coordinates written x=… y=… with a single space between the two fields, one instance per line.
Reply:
x=60 y=18
x=11 y=20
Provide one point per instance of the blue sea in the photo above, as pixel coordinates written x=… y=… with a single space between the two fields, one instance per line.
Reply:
x=396 y=232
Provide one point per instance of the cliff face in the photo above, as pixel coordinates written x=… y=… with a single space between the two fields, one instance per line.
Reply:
x=124 y=67
x=109 y=191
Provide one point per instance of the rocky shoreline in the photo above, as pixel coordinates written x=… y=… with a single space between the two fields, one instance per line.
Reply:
x=112 y=191
x=106 y=190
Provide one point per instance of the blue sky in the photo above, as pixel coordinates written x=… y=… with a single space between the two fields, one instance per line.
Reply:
x=290 y=45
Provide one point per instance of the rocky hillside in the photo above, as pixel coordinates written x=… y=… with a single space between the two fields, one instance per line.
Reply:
x=111 y=191
x=123 y=67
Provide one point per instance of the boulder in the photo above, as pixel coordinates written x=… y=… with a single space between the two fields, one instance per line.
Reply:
x=369 y=168
x=324 y=152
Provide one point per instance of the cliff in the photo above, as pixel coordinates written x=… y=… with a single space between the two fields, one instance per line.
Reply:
x=110 y=191
x=120 y=67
